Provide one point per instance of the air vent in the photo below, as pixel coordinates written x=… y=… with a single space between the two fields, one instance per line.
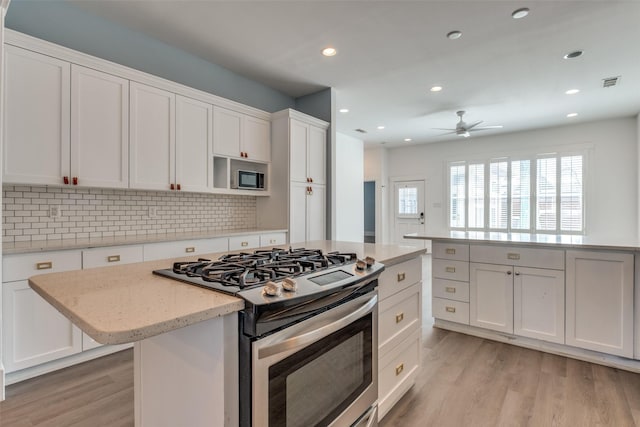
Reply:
x=361 y=130
x=610 y=81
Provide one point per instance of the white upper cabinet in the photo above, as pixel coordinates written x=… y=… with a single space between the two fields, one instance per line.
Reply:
x=308 y=153
x=238 y=135
x=99 y=129
x=152 y=138
x=194 y=145
x=36 y=120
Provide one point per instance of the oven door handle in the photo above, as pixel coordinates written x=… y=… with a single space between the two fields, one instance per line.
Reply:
x=312 y=336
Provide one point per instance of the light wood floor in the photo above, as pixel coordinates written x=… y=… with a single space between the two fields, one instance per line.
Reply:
x=464 y=381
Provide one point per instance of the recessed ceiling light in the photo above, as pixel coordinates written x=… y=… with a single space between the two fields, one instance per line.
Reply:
x=407 y=140
x=573 y=55
x=436 y=89
x=572 y=91
x=344 y=110
x=329 y=51
x=453 y=35
x=520 y=13
x=572 y=114
x=380 y=127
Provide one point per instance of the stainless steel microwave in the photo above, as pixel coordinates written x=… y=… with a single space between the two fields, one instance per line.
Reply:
x=249 y=180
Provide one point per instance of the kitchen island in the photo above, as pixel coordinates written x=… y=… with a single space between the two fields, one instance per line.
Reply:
x=569 y=295
x=185 y=337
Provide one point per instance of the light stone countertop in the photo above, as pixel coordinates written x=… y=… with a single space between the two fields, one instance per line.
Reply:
x=9 y=248
x=566 y=241
x=126 y=303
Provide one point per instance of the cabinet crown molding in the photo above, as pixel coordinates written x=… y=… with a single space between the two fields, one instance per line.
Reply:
x=293 y=114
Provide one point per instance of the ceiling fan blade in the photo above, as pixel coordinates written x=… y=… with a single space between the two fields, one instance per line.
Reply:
x=444 y=129
x=473 y=125
x=489 y=127
x=448 y=133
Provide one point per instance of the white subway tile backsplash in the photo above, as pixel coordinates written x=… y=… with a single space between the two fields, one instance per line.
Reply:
x=94 y=212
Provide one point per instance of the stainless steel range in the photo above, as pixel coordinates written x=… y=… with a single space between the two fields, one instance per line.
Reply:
x=308 y=333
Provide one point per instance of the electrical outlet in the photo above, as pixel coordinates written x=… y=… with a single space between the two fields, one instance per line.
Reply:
x=153 y=211
x=54 y=211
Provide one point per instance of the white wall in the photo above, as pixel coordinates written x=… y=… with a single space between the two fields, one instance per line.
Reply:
x=612 y=178
x=349 y=191
x=375 y=169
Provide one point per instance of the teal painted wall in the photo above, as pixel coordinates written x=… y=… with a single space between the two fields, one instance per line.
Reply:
x=66 y=25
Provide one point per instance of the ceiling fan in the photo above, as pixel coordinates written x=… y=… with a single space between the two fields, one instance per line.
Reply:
x=463 y=129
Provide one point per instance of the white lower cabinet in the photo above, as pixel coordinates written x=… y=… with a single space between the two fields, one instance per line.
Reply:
x=491 y=296
x=273 y=239
x=184 y=248
x=600 y=301
x=399 y=325
x=242 y=243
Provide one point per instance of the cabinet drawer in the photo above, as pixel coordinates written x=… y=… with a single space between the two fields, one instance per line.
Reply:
x=240 y=243
x=184 y=248
x=454 y=311
x=451 y=270
x=23 y=266
x=399 y=317
x=453 y=251
x=450 y=289
x=398 y=277
x=271 y=239
x=523 y=257
x=115 y=255
x=397 y=372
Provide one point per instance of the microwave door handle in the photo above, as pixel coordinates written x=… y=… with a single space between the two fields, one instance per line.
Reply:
x=312 y=336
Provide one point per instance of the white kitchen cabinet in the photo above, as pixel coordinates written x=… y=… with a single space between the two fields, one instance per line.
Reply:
x=37 y=106
x=239 y=135
x=538 y=304
x=600 y=301
x=307 y=212
x=34 y=332
x=194 y=145
x=491 y=296
x=242 y=243
x=184 y=248
x=151 y=138
x=99 y=129
x=450 y=282
x=273 y=239
x=308 y=152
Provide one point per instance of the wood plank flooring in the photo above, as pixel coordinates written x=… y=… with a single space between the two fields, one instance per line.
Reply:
x=464 y=381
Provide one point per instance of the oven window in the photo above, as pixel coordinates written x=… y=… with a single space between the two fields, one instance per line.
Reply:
x=313 y=386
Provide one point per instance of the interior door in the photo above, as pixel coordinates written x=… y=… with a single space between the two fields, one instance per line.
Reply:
x=409 y=211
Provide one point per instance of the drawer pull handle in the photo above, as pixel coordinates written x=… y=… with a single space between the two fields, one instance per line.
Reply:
x=451 y=251
x=272 y=241
x=399 y=369
x=512 y=255
x=190 y=249
x=401 y=277
x=450 y=269
x=450 y=309
x=44 y=265
x=450 y=289
x=399 y=317
x=244 y=244
x=113 y=258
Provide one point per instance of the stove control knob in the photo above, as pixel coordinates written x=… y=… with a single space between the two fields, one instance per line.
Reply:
x=369 y=261
x=289 y=285
x=360 y=265
x=271 y=289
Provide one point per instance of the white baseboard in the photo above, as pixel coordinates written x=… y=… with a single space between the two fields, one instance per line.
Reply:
x=558 y=349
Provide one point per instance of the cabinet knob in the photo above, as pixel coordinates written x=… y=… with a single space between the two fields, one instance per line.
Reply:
x=450 y=269
x=75 y=180
x=450 y=289
x=46 y=265
x=399 y=317
x=450 y=251
x=399 y=369
x=246 y=155
x=65 y=180
x=190 y=249
x=244 y=244
x=512 y=255
x=401 y=277
x=178 y=187
x=172 y=187
x=517 y=273
x=310 y=179
x=113 y=258
x=508 y=273
x=450 y=309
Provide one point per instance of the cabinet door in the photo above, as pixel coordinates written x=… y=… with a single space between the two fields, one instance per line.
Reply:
x=227 y=127
x=538 y=299
x=316 y=205
x=33 y=331
x=600 y=301
x=242 y=243
x=194 y=144
x=317 y=157
x=256 y=139
x=36 y=119
x=298 y=213
x=152 y=137
x=99 y=128
x=491 y=297
x=299 y=139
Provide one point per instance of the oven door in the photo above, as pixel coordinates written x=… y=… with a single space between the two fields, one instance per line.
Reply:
x=320 y=372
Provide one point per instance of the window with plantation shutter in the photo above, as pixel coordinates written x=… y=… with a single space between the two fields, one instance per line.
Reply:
x=540 y=194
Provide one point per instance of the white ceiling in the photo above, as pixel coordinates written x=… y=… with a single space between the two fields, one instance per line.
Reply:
x=503 y=71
